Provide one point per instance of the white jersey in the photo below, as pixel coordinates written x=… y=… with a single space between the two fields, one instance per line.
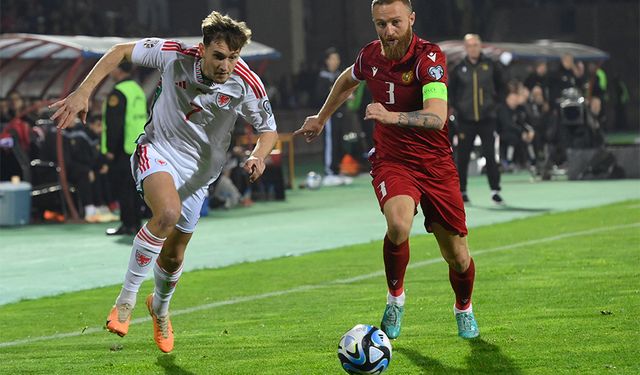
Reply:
x=192 y=119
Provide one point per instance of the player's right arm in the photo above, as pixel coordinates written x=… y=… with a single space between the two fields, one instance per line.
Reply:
x=344 y=86
x=77 y=103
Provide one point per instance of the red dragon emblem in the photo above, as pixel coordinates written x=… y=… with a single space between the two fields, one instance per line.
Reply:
x=222 y=100
x=142 y=259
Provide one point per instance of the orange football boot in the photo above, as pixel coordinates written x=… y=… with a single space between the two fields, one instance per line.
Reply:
x=119 y=318
x=162 y=329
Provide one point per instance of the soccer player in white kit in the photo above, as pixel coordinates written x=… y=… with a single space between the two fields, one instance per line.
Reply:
x=203 y=89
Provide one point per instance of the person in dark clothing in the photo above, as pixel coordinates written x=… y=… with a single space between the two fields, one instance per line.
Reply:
x=568 y=76
x=539 y=77
x=124 y=117
x=475 y=86
x=516 y=134
x=333 y=147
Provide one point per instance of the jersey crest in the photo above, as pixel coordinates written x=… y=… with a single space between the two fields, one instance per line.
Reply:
x=222 y=100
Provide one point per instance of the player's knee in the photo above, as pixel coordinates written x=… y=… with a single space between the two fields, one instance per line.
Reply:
x=173 y=262
x=167 y=217
x=398 y=230
x=460 y=261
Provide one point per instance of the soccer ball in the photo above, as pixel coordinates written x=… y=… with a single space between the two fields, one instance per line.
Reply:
x=364 y=349
x=313 y=181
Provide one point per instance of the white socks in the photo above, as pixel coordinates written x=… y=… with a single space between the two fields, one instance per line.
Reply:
x=399 y=300
x=165 y=286
x=145 y=251
x=458 y=311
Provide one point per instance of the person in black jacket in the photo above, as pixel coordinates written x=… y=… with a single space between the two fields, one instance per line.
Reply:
x=333 y=130
x=475 y=86
x=125 y=114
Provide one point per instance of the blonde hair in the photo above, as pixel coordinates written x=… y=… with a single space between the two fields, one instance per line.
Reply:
x=217 y=27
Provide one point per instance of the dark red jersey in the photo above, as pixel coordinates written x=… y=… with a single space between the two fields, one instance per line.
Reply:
x=398 y=86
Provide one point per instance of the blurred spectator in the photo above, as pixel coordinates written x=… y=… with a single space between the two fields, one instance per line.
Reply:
x=102 y=191
x=569 y=75
x=621 y=101
x=539 y=77
x=334 y=127
x=475 y=86
x=236 y=188
x=5 y=114
x=83 y=156
x=598 y=95
x=539 y=117
x=516 y=134
x=17 y=107
x=125 y=114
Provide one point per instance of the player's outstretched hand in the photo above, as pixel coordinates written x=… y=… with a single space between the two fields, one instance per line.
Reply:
x=310 y=129
x=377 y=112
x=255 y=167
x=68 y=108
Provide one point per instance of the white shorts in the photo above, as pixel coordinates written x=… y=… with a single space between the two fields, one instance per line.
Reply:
x=147 y=161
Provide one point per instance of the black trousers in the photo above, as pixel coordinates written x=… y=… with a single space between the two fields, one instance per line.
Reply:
x=333 y=148
x=125 y=188
x=467 y=131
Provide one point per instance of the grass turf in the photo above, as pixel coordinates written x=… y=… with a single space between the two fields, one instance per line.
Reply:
x=556 y=293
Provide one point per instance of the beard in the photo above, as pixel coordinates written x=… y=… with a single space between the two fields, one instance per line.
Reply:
x=397 y=50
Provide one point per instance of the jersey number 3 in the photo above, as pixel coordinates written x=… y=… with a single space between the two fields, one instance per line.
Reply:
x=392 y=95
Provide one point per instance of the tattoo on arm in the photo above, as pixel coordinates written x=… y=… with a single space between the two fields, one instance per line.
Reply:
x=420 y=120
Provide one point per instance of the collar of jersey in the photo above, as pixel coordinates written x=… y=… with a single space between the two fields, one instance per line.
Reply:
x=199 y=76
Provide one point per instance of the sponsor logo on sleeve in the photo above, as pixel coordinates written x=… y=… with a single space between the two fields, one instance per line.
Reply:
x=432 y=56
x=436 y=72
x=266 y=105
x=374 y=70
x=150 y=43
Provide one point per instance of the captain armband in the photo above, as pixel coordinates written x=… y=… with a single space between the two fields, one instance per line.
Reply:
x=434 y=90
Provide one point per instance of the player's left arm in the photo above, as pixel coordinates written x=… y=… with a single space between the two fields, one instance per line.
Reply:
x=432 y=116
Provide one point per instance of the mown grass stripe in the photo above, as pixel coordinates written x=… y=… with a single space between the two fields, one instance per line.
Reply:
x=304 y=288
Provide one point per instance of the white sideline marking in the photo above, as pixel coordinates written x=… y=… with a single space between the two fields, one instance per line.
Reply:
x=305 y=288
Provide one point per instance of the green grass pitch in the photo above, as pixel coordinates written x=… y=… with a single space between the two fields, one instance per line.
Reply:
x=554 y=294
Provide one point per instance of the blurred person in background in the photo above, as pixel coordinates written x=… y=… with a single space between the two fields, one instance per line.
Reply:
x=333 y=145
x=569 y=75
x=539 y=77
x=516 y=134
x=475 y=89
x=124 y=118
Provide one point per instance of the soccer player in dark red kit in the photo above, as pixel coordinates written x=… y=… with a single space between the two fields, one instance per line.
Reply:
x=411 y=162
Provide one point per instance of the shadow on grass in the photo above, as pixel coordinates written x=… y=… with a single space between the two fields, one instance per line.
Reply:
x=167 y=361
x=485 y=358
x=125 y=240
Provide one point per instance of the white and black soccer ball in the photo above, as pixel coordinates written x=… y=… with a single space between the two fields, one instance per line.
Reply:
x=364 y=349
x=313 y=181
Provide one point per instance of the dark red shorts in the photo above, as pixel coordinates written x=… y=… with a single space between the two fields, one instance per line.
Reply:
x=436 y=188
